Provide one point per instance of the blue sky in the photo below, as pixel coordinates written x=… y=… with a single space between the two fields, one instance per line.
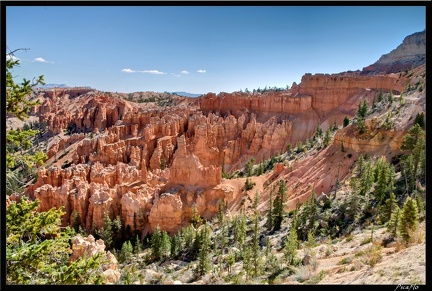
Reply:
x=201 y=49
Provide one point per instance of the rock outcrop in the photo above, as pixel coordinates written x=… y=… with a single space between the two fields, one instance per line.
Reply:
x=151 y=165
x=408 y=55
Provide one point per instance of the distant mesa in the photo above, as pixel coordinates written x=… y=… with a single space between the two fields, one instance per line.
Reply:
x=410 y=54
x=53 y=85
x=186 y=94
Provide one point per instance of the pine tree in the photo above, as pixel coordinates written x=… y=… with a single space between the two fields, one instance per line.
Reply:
x=106 y=232
x=196 y=218
x=327 y=137
x=38 y=249
x=380 y=96
x=394 y=221
x=255 y=238
x=279 y=205
x=291 y=245
x=156 y=243
x=21 y=164
x=204 y=262
x=414 y=143
x=137 y=246
x=390 y=205
x=270 y=211
x=165 y=245
x=409 y=219
x=346 y=121
x=126 y=252
x=176 y=245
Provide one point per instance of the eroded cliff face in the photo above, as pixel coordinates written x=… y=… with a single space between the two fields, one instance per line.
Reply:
x=152 y=165
x=409 y=54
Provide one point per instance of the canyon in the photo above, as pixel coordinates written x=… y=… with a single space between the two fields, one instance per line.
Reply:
x=154 y=165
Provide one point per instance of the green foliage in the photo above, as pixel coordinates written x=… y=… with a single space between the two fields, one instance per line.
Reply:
x=384 y=177
x=409 y=219
x=346 y=121
x=17 y=95
x=38 y=249
x=390 y=206
x=279 y=205
x=318 y=131
x=18 y=142
x=196 y=218
x=106 y=232
x=204 y=261
x=291 y=246
x=156 y=243
x=137 y=246
x=380 y=96
x=419 y=119
x=363 y=109
x=269 y=223
x=255 y=248
x=327 y=137
x=249 y=167
x=414 y=144
x=249 y=184
x=240 y=230
x=126 y=252
x=393 y=223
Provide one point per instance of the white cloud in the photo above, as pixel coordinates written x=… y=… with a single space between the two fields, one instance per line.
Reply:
x=184 y=72
x=175 y=75
x=201 y=71
x=42 y=60
x=153 y=72
x=14 y=58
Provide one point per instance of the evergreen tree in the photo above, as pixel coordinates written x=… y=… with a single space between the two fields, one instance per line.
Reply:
x=137 y=246
x=240 y=230
x=409 y=219
x=390 y=206
x=390 y=97
x=156 y=243
x=165 y=245
x=126 y=252
x=204 y=261
x=367 y=177
x=383 y=177
x=270 y=211
x=318 y=132
x=291 y=245
x=196 y=218
x=414 y=143
x=327 y=137
x=380 y=96
x=249 y=167
x=363 y=109
x=21 y=163
x=255 y=238
x=176 y=245
x=346 y=121
x=279 y=205
x=220 y=214
x=38 y=249
x=419 y=119
x=106 y=232
x=394 y=221
x=75 y=221
x=188 y=235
